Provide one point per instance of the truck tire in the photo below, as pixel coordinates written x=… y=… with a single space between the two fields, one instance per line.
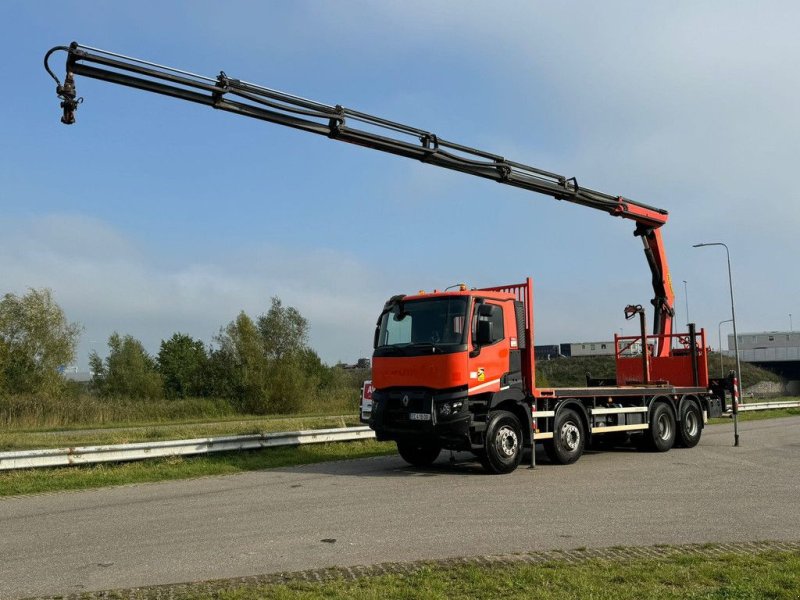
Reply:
x=689 y=426
x=418 y=454
x=661 y=435
x=503 y=444
x=569 y=438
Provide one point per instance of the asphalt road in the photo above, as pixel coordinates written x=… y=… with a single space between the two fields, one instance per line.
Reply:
x=380 y=510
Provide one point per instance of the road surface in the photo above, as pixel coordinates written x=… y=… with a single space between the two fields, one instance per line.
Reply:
x=379 y=510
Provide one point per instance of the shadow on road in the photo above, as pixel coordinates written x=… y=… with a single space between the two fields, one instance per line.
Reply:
x=463 y=463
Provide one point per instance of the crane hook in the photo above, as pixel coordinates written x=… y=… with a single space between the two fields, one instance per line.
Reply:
x=68 y=100
x=66 y=92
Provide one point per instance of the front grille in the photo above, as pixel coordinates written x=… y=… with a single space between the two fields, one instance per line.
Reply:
x=397 y=413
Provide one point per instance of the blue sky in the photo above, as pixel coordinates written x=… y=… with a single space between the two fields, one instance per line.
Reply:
x=151 y=215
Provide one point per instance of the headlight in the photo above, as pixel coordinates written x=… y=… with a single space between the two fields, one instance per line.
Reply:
x=448 y=408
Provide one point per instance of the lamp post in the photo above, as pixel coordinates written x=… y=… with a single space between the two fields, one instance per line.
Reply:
x=719 y=335
x=735 y=336
x=686 y=297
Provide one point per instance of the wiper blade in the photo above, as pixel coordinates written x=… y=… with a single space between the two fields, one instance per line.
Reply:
x=430 y=345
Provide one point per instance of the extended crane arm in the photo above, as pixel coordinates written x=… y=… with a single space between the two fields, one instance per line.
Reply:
x=247 y=99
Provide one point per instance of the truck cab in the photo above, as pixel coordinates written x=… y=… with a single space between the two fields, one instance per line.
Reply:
x=441 y=362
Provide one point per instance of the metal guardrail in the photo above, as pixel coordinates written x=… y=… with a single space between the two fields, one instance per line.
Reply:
x=57 y=457
x=767 y=405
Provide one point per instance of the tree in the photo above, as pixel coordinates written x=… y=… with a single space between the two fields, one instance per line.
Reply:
x=265 y=364
x=296 y=371
x=128 y=371
x=182 y=362
x=241 y=356
x=284 y=331
x=36 y=341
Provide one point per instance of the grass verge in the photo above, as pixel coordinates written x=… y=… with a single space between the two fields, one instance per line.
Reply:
x=35 y=481
x=22 y=440
x=759 y=415
x=695 y=572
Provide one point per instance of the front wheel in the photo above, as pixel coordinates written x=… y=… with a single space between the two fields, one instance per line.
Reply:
x=503 y=446
x=569 y=438
x=419 y=454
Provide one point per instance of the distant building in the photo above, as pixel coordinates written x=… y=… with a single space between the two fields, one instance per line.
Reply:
x=361 y=363
x=591 y=349
x=546 y=351
x=767 y=346
x=550 y=351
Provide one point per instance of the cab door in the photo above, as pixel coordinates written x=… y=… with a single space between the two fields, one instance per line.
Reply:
x=489 y=349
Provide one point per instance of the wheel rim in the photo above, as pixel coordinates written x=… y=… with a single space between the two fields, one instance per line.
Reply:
x=691 y=423
x=507 y=441
x=664 y=427
x=570 y=436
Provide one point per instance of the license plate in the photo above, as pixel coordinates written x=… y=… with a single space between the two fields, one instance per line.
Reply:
x=419 y=416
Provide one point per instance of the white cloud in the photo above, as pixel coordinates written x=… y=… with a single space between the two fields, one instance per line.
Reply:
x=108 y=282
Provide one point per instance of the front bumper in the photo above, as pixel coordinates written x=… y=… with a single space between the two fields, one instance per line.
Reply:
x=416 y=413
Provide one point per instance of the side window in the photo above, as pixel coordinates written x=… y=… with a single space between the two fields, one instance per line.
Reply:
x=497 y=324
x=494 y=316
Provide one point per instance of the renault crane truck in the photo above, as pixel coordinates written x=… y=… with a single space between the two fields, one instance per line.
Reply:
x=455 y=369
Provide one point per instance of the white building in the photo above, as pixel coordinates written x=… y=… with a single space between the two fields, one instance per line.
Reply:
x=767 y=346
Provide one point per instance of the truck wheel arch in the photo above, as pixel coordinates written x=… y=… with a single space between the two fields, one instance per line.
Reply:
x=578 y=407
x=513 y=401
x=662 y=400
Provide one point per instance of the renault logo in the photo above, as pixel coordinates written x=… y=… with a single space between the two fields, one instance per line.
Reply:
x=405 y=400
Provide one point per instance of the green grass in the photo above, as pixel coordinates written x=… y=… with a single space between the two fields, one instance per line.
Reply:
x=759 y=415
x=20 y=440
x=84 y=410
x=679 y=575
x=20 y=412
x=35 y=481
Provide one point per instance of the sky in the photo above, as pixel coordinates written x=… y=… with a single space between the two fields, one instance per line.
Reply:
x=152 y=216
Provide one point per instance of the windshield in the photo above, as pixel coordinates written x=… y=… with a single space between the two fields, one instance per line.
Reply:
x=435 y=322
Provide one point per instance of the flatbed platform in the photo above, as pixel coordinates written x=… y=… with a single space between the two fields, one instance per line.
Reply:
x=649 y=390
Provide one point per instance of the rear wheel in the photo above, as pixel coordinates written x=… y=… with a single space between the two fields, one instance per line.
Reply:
x=569 y=438
x=661 y=435
x=419 y=454
x=689 y=426
x=503 y=446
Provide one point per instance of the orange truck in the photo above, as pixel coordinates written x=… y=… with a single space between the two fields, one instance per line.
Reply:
x=455 y=369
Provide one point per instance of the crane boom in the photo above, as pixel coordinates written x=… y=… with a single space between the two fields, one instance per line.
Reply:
x=335 y=122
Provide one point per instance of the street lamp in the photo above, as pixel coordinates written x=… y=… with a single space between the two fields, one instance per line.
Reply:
x=686 y=297
x=735 y=336
x=719 y=335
